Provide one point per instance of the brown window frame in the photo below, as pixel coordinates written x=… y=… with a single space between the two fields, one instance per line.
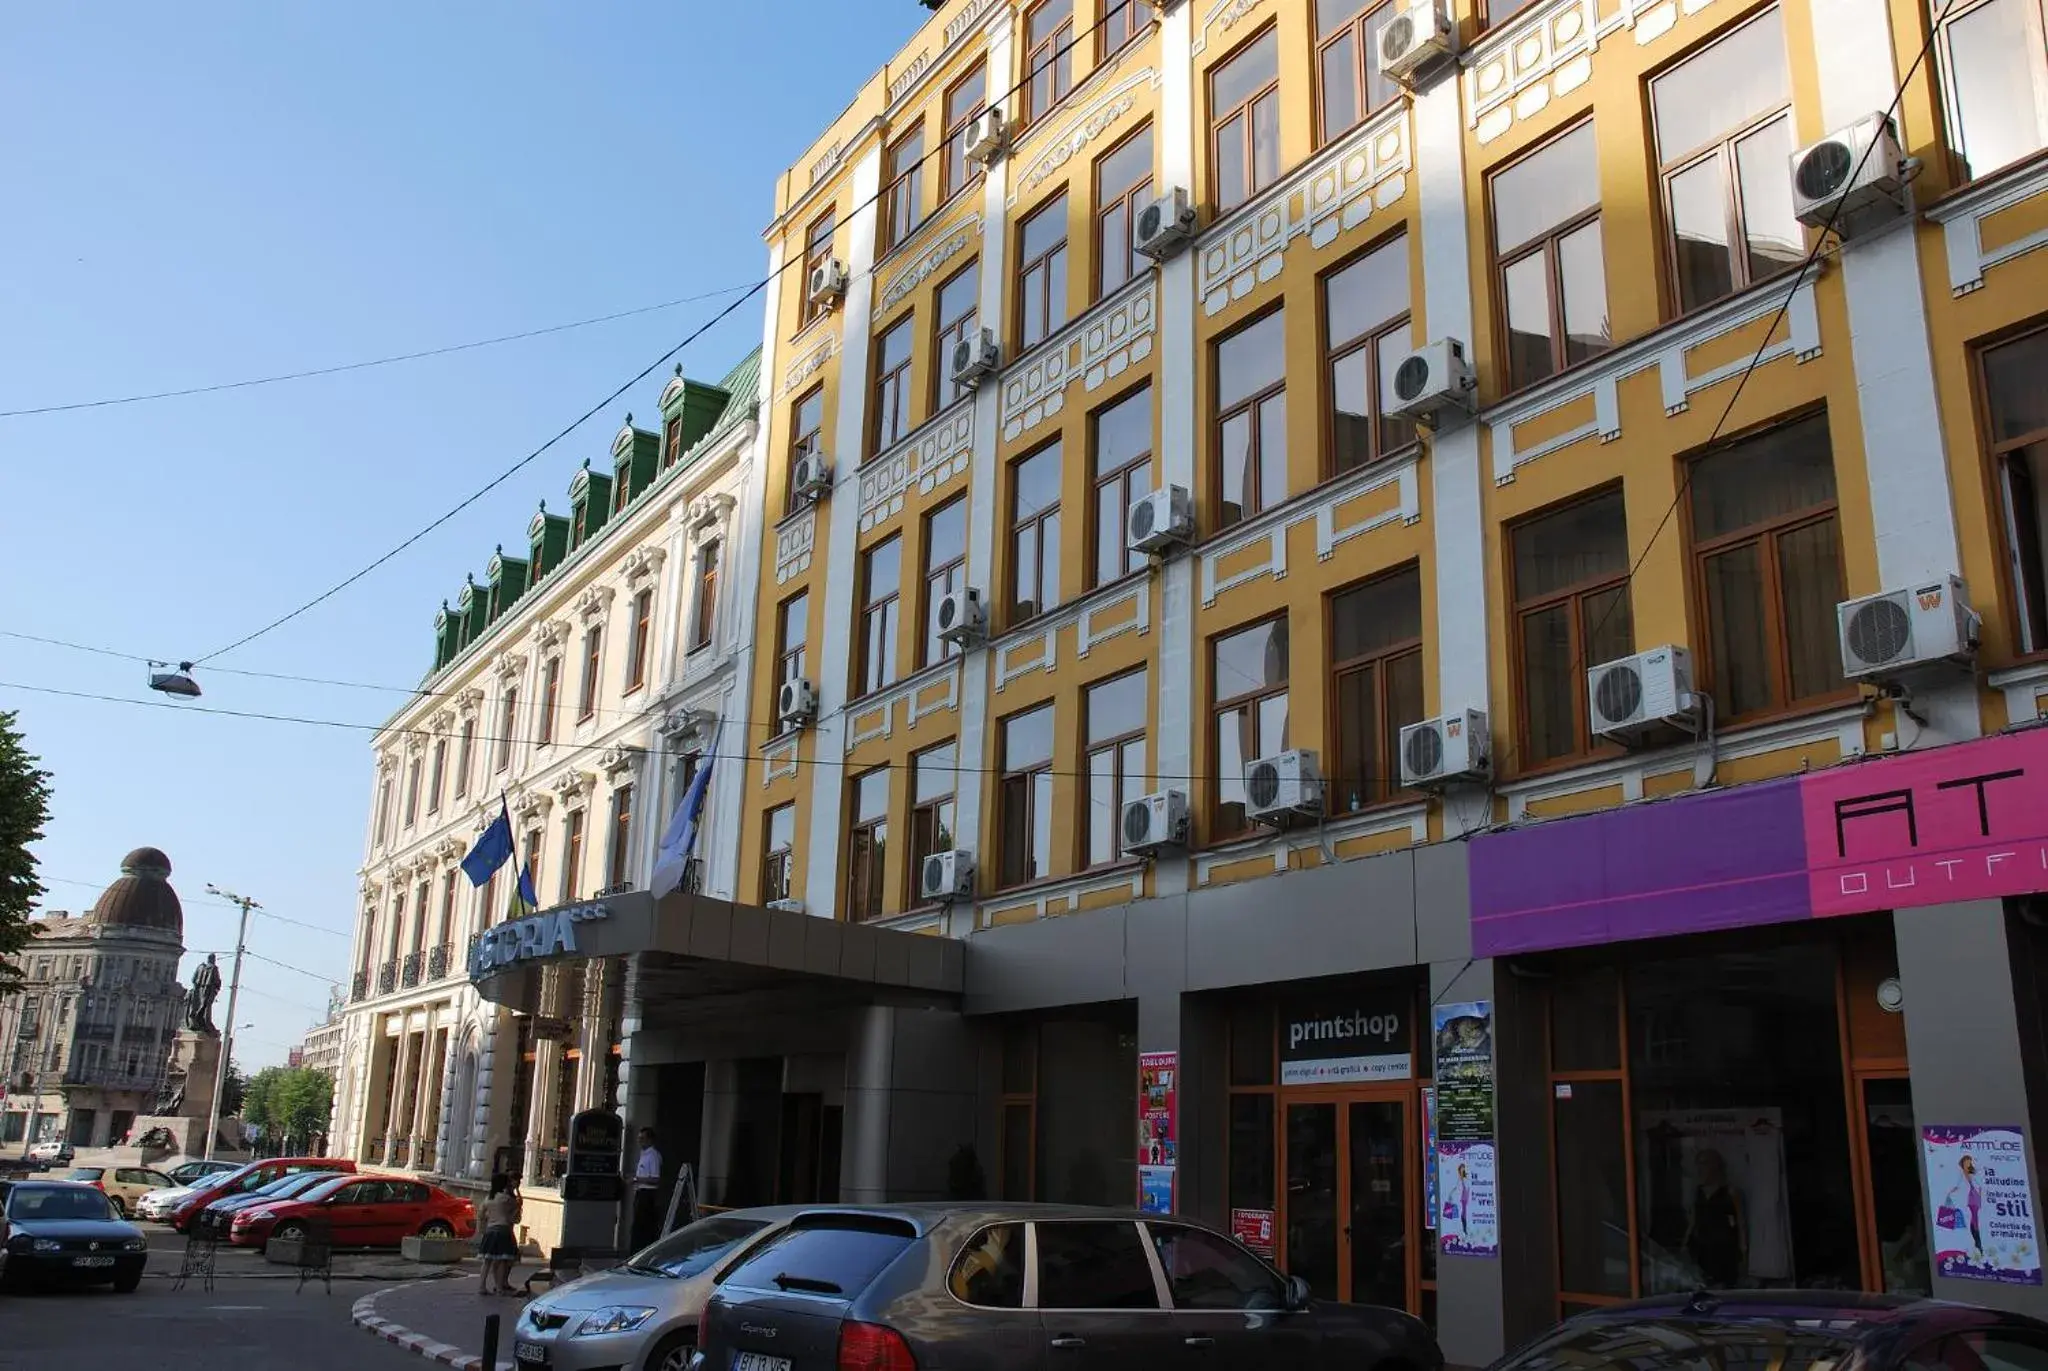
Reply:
x=465 y=756
x=786 y=656
x=957 y=170
x=1034 y=525
x=509 y=714
x=803 y=442
x=1116 y=746
x=1397 y=330
x=1108 y=43
x=1573 y=599
x=1252 y=405
x=2024 y=603
x=622 y=484
x=935 y=578
x=643 y=636
x=550 y=700
x=1021 y=780
x=621 y=837
x=446 y=930
x=890 y=416
x=573 y=824
x=412 y=792
x=1220 y=119
x=1360 y=29
x=778 y=864
x=593 y=662
x=925 y=815
x=1100 y=481
x=947 y=332
x=1041 y=266
x=1131 y=201
x=1546 y=243
x=1051 y=53
x=872 y=674
x=671 y=442
x=1385 y=788
x=903 y=188
x=818 y=235
x=1246 y=700
x=437 y=775
x=704 y=608
x=867 y=853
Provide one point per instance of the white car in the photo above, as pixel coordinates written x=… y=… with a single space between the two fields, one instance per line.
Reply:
x=156 y=1206
x=52 y=1150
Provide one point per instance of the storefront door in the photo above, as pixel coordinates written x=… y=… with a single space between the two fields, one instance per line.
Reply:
x=1350 y=1206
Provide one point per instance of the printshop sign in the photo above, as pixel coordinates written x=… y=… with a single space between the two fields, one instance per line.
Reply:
x=549 y=934
x=1346 y=1038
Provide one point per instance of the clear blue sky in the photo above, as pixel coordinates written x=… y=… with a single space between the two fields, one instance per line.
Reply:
x=199 y=193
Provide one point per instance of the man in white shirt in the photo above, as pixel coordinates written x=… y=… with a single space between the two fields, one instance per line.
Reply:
x=646 y=1192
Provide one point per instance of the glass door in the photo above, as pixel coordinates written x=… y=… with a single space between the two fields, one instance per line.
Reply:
x=1379 y=1206
x=1350 y=1202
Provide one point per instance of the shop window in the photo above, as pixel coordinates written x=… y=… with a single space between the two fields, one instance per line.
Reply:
x=1248 y=681
x=1048 y=56
x=1114 y=714
x=778 y=858
x=934 y=777
x=1251 y=418
x=2017 y=409
x=550 y=700
x=1572 y=612
x=1365 y=329
x=880 y=585
x=1376 y=681
x=1090 y=1264
x=959 y=318
x=817 y=252
x=807 y=437
x=891 y=418
x=1724 y=138
x=792 y=625
x=1042 y=273
x=945 y=571
x=1123 y=183
x=965 y=98
x=1244 y=121
x=1350 y=84
x=1121 y=438
x=1035 y=534
x=867 y=845
x=903 y=202
x=1767 y=568
x=1994 y=57
x=1549 y=274
x=1024 y=802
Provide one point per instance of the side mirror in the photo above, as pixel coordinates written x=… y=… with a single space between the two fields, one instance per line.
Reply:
x=1298 y=1295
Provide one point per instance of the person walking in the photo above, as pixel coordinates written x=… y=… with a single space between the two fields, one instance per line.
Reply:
x=646 y=1192
x=498 y=1248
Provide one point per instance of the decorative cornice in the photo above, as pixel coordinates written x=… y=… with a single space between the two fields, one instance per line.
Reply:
x=549 y=634
x=683 y=725
x=441 y=721
x=643 y=562
x=509 y=665
x=708 y=512
x=618 y=759
x=573 y=787
x=962 y=234
x=450 y=849
x=468 y=702
x=808 y=365
x=387 y=764
x=594 y=603
x=1084 y=129
x=531 y=804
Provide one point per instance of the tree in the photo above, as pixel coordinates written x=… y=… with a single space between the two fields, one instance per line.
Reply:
x=24 y=809
x=291 y=1104
x=234 y=1087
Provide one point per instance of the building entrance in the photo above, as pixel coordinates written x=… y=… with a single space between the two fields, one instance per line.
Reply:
x=1352 y=1164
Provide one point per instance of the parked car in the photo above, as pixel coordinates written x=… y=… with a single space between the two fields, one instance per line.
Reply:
x=360 y=1211
x=157 y=1205
x=242 y=1179
x=1789 y=1330
x=50 y=1152
x=219 y=1215
x=124 y=1186
x=64 y=1231
x=185 y=1173
x=643 y=1315
x=1004 y=1287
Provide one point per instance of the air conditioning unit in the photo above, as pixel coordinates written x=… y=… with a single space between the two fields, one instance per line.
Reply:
x=1160 y=520
x=1917 y=626
x=827 y=285
x=986 y=136
x=813 y=476
x=975 y=357
x=1851 y=178
x=1456 y=747
x=796 y=704
x=946 y=876
x=1165 y=225
x=1283 y=786
x=1432 y=380
x=963 y=619
x=787 y=906
x=1633 y=695
x=1156 y=821
x=1415 y=39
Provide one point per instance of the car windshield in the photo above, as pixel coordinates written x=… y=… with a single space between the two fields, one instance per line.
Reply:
x=85 y=1173
x=1793 y=1343
x=325 y=1183
x=297 y=1183
x=28 y=1203
x=689 y=1251
x=828 y=1255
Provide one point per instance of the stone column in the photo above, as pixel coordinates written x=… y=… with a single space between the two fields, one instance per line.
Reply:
x=402 y=1069
x=910 y=1102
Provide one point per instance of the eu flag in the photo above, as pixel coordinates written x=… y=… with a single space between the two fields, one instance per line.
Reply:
x=493 y=848
x=524 y=897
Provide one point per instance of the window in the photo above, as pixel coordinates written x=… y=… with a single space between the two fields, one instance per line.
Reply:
x=1123 y=183
x=792 y=623
x=1035 y=533
x=1571 y=613
x=1767 y=565
x=384 y=811
x=867 y=845
x=437 y=775
x=807 y=437
x=817 y=252
x=2018 y=423
x=1205 y=1272
x=1376 y=682
x=622 y=832
x=891 y=418
x=990 y=1269
x=933 y=780
x=1501 y=12
x=965 y=98
x=1251 y=418
x=593 y=657
x=572 y=854
x=959 y=318
x=1093 y=1264
x=1122 y=439
x=1248 y=676
x=412 y=793
x=622 y=485
x=1244 y=122
x=672 y=442
x=779 y=857
x=704 y=614
x=508 y=725
x=1365 y=315
x=1024 y=807
x=1115 y=721
x=945 y=571
x=1546 y=242
x=881 y=568
x=1048 y=59
x=463 y=749
x=1349 y=83
x=1042 y=272
x=1724 y=138
x=550 y=697
x=1996 y=62
x=446 y=933
x=643 y=632
x=903 y=204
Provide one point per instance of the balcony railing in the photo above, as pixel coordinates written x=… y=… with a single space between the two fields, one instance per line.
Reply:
x=438 y=959
x=387 y=978
x=359 y=989
x=409 y=969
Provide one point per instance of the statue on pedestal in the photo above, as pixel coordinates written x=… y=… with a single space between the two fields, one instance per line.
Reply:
x=199 y=1002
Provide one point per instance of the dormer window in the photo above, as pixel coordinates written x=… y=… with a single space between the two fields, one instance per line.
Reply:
x=622 y=486
x=576 y=529
x=672 y=442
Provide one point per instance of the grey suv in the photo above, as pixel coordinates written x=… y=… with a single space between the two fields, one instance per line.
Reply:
x=1011 y=1287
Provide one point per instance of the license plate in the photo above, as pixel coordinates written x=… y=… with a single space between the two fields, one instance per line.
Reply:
x=758 y=1361
x=530 y=1353
x=92 y=1261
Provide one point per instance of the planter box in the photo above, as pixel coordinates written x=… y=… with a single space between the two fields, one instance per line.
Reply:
x=434 y=1251
x=294 y=1252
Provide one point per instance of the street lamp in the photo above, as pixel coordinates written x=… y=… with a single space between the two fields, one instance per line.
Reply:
x=227 y=1047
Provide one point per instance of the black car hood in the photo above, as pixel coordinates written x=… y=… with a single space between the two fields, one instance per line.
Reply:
x=77 y=1230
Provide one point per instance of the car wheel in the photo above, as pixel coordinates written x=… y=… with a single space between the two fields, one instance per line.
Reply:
x=291 y=1230
x=438 y=1228
x=672 y=1353
x=127 y=1282
x=120 y=1206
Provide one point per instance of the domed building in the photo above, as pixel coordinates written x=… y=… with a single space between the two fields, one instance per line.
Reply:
x=87 y=1038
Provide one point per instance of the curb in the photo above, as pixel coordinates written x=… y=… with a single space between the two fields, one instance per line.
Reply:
x=364 y=1315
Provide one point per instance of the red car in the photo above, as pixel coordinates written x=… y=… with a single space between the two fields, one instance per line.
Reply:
x=361 y=1211
x=254 y=1176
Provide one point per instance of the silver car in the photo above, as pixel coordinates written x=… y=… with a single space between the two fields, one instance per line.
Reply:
x=642 y=1316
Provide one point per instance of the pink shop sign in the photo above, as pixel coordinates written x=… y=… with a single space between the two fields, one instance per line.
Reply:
x=1966 y=822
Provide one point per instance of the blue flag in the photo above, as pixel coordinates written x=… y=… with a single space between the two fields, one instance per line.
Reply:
x=493 y=848
x=680 y=838
x=523 y=899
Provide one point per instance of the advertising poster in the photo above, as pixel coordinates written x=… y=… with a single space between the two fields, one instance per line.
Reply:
x=1462 y=1116
x=1332 y=1041
x=1158 y=1129
x=1254 y=1228
x=1469 y=1225
x=1429 y=1158
x=1980 y=1203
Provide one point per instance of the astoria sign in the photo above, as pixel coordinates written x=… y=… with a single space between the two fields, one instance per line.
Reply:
x=551 y=933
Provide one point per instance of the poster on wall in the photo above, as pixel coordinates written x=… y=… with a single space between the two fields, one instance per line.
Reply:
x=1713 y=1199
x=1356 y=1038
x=1461 y=1112
x=1254 y=1228
x=1980 y=1203
x=1158 y=1129
x=1429 y=1157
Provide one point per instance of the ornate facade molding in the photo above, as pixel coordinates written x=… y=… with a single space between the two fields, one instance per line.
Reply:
x=958 y=239
x=468 y=703
x=1095 y=349
x=450 y=850
x=708 y=512
x=531 y=805
x=808 y=365
x=931 y=457
x=618 y=759
x=510 y=666
x=573 y=787
x=1224 y=14
x=1082 y=129
x=595 y=603
x=643 y=563
x=549 y=634
x=794 y=539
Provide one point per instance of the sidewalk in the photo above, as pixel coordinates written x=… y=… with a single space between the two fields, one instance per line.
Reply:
x=443 y=1320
